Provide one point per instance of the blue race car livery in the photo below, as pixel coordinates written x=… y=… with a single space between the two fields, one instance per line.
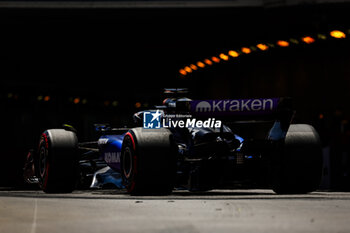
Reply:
x=237 y=143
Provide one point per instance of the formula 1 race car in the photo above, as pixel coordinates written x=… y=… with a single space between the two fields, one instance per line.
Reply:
x=185 y=144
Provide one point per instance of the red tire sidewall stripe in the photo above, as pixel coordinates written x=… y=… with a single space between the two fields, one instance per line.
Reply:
x=132 y=139
x=132 y=185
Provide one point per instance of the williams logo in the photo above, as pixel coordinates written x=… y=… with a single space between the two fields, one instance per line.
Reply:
x=151 y=119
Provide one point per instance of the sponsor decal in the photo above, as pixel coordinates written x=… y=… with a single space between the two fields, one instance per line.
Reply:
x=234 y=106
x=112 y=157
x=102 y=141
x=203 y=106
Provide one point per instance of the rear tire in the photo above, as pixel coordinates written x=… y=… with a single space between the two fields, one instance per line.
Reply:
x=297 y=169
x=148 y=161
x=57 y=161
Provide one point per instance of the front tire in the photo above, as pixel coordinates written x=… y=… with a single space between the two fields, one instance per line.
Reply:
x=57 y=161
x=148 y=161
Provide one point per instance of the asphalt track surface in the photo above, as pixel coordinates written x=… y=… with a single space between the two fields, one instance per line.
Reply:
x=215 y=211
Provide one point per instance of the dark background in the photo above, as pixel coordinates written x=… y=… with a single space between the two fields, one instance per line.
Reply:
x=111 y=59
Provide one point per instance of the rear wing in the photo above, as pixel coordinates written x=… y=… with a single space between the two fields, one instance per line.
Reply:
x=234 y=107
x=277 y=112
x=243 y=109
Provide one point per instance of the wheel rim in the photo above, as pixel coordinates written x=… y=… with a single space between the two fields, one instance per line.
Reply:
x=127 y=163
x=42 y=161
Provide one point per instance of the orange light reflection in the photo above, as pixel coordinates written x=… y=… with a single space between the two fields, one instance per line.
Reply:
x=200 y=64
x=137 y=105
x=308 y=39
x=182 y=71
x=193 y=67
x=282 y=43
x=208 y=62
x=215 y=59
x=337 y=34
x=188 y=69
x=246 y=50
x=223 y=56
x=233 y=53
x=76 y=100
x=262 y=47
